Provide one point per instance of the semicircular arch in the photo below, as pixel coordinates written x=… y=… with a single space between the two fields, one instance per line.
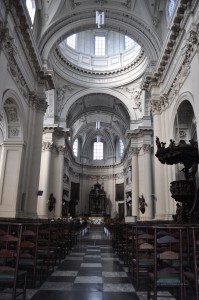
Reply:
x=14 y=116
x=126 y=101
x=115 y=20
x=186 y=96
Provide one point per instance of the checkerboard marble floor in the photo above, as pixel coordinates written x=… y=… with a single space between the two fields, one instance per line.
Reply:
x=92 y=271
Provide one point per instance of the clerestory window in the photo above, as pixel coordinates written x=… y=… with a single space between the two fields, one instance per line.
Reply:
x=75 y=147
x=100 y=43
x=98 y=149
x=71 y=41
x=129 y=43
x=171 y=7
x=121 y=148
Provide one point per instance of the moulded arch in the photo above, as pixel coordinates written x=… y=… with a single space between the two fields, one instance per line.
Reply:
x=11 y=94
x=92 y=135
x=184 y=96
x=115 y=20
x=126 y=101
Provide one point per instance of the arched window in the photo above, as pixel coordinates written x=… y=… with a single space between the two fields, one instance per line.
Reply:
x=98 y=149
x=121 y=148
x=75 y=147
x=31 y=7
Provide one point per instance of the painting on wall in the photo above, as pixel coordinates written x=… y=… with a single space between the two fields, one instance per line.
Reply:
x=119 y=195
x=74 y=198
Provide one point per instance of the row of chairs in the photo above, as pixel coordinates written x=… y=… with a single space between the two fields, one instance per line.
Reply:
x=29 y=251
x=165 y=256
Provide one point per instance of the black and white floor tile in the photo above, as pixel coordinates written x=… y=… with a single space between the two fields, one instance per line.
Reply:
x=92 y=271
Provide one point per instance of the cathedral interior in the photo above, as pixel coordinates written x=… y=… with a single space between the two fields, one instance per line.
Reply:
x=99 y=109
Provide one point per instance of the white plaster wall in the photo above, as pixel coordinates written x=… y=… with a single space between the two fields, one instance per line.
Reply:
x=9 y=180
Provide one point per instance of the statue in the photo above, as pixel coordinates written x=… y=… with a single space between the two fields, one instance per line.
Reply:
x=51 y=202
x=158 y=144
x=142 y=204
x=178 y=212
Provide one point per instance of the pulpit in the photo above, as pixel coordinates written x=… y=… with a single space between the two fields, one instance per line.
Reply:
x=97 y=199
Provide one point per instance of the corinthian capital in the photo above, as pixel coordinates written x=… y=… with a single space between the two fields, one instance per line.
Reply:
x=37 y=103
x=156 y=106
x=48 y=146
x=61 y=149
x=146 y=148
x=134 y=150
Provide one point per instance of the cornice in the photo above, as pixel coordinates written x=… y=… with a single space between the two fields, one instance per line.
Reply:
x=23 y=30
x=100 y=74
x=141 y=131
x=176 y=30
x=115 y=20
x=56 y=129
x=84 y=77
x=36 y=101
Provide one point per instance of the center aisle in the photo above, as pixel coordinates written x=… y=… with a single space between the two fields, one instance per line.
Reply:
x=92 y=271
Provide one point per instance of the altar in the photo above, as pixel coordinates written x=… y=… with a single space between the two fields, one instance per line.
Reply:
x=97 y=199
x=96 y=220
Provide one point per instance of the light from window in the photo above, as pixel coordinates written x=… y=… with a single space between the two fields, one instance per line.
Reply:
x=121 y=148
x=129 y=43
x=31 y=7
x=100 y=45
x=97 y=124
x=75 y=147
x=71 y=41
x=171 y=7
x=98 y=150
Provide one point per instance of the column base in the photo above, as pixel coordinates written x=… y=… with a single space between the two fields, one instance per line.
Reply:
x=130 y=219
x=163 y=217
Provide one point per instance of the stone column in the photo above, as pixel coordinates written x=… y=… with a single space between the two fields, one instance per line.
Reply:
x=135 y=182
x=51 y=175
x=38 y=106
x=159 y=178
x=57 y=184
x=148 y=182
x=45 y=182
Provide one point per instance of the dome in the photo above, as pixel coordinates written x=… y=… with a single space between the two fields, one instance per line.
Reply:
x=99 y=50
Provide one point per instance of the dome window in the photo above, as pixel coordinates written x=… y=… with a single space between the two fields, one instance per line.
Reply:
x=31 y=7
x=100 y=43
x=71 y=41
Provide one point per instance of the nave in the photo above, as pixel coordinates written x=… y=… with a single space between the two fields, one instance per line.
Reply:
x=92 y=271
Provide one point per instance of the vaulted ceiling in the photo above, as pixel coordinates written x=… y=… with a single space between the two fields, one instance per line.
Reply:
x=141 y=20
